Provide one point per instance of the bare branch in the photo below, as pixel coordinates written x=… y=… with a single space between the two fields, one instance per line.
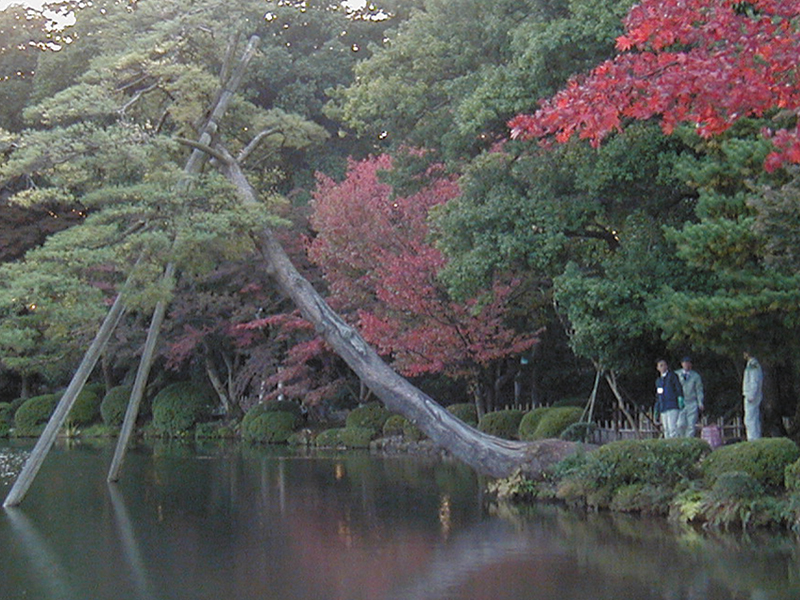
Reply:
x=248 y=150
x=213 y=152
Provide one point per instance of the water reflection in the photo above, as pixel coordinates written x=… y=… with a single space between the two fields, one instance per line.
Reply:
x=131 y=549
x=256 y=523
x=43 y=560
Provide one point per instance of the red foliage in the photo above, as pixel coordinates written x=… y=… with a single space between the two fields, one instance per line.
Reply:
x=707 y=62
x=374 y=249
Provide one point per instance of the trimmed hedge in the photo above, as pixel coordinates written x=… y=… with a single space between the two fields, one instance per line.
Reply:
x=792 y=476
x=370 y=416
x=502 y=423
x=465 y=411
x=356 y=437
x=765 y=460
x=270 y=427
x=530 y=421
x=6 y=413
x=178 y=407
x=86 y=409
x=35 y=411
x=114 y=405
x=555 y=421
x=330 y=438
x=398 y=425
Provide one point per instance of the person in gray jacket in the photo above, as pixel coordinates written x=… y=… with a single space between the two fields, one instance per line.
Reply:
x=692 y=397
x=752 y=384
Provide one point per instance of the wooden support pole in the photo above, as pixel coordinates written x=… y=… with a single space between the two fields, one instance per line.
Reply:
x=45 y=441
x=229 y=86
x=146 y=361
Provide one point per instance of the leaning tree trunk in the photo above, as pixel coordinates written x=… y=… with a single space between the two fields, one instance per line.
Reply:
x=487 y=454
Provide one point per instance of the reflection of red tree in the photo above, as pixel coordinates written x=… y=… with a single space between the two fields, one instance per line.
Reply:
x=705 y=62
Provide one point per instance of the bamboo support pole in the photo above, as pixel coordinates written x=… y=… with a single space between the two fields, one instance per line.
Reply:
x=45 y=441
x=228 y=87
x=146 y=361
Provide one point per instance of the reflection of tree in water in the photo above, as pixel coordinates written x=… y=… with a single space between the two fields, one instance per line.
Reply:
x=673 y=561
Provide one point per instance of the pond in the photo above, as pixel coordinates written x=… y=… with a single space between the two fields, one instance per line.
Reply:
x=271 y=524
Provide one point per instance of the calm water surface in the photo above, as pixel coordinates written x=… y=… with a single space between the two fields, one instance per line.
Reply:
x=240 y=524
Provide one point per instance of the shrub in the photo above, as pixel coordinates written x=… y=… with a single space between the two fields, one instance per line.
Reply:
x=642 y=498
x=86 y=409
x=579 y=432
x=791 y=476
x=35 y=411
x=734 y=486
x=555 y=421
x=465 y=411
x=6 y=414
x=394 y=425
x=114 y=405
x=270 y=427
x=178 y=407
x=213 y=431
x=330 y=438
x=657 y=463
x=765 y=460
x=283 y=406
x=356 y=437
x=372 y=416
x=98 y=389
x=530 y=421
x=502 y=423
x=398 y=425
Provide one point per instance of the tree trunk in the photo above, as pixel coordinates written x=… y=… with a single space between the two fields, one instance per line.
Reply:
x=216 y=383
x=487 y=454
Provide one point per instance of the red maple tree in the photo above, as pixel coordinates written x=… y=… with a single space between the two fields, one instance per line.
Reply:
x=374 y=249
x=707 y=62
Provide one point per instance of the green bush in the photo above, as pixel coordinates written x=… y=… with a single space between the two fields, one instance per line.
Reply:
x=35 y=411
x=356 y=437
x=579 y=432
x=555 y=421
x=394 y=425
x=330 y=438
x=213 y=431
x=791 y=476
x=255 y=411
x=530 y=421
x=398 y=425
x=98 y=389
x=283 y=406
x=658 y=463
x=735 y=486
x=270 y=427
x=86 y=409
x=178 y=407
x=765 y=460
x=114 y=405
x=465 y=411
x=642 y=498
x=6 y=414
x=371 y=416
x=574 y=401
x=502 y=423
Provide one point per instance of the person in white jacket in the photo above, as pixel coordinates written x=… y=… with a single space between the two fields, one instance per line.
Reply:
x=752 y=384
